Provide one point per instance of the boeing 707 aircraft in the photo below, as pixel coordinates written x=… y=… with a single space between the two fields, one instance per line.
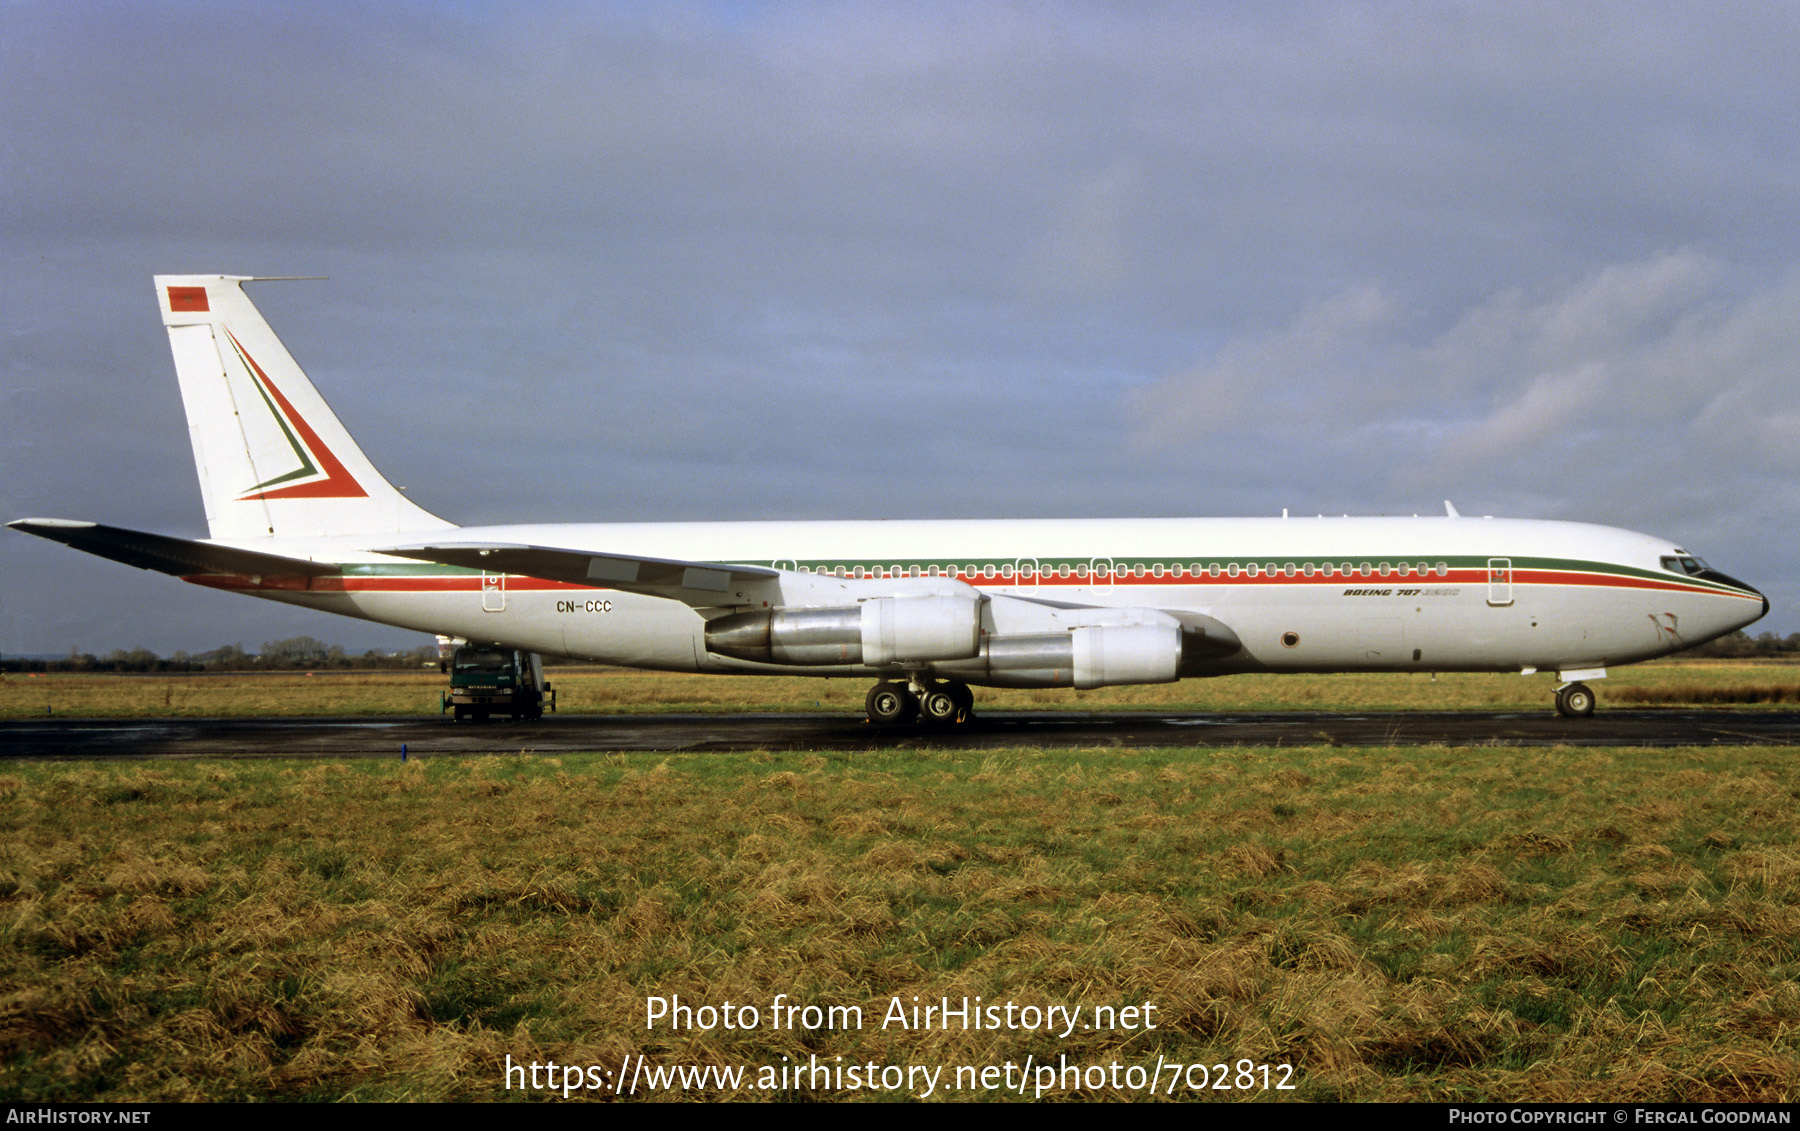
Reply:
x=297 y=513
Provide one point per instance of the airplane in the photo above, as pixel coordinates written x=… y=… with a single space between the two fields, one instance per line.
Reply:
x=928 y=609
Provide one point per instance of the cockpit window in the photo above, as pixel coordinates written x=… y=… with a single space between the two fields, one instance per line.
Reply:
x=1687 y=564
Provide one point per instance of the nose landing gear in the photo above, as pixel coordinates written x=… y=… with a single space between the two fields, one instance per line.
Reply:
x=941 y=702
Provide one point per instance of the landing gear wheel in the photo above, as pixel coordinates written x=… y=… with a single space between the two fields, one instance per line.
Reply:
x=965 y=701
x=940 y=705
x=891 y=703
x=1575 y=701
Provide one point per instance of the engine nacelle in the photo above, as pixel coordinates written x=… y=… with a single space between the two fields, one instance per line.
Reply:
x=876 y=632
x=901 y=629
x=1086 y=657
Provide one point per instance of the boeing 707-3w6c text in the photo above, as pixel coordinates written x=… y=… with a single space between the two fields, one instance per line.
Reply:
x=298 y=514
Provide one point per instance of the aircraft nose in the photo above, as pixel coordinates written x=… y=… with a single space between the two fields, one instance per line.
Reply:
x=1715 y=575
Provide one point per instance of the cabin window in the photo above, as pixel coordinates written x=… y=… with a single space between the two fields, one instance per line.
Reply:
x=1309 y=569
x=1006 y=571
x=987 y=571
x=1403 y=570
x=1156 y=570
x=1232 y=569
x=1443 y=568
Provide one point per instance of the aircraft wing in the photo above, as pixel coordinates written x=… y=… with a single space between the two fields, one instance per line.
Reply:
x=701 y=584
x=179 y=556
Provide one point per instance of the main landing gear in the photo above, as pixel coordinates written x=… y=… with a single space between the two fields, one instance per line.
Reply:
x=1574 y=701
x=937 y=702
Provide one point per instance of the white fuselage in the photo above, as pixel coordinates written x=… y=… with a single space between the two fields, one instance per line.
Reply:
x=1323 y=594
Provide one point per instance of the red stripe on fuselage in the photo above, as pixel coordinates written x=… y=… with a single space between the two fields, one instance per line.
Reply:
x=516 y=584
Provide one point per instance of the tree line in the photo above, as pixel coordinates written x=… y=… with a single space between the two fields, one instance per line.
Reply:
x=1741 y=643
x=293 y=654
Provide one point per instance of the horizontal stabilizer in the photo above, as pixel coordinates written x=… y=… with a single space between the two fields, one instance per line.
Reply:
x=701 y=584
x=179 y=556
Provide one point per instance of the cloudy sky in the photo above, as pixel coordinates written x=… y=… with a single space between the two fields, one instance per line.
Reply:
x=646 y=261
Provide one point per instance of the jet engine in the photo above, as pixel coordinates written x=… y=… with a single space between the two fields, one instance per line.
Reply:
x=876 y=632
x=1084 y=657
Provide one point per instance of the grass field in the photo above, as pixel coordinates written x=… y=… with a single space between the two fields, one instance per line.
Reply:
x=607 y=690
x=1394 y=924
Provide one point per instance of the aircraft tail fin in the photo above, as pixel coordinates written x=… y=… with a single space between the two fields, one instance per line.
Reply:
x=273 y=459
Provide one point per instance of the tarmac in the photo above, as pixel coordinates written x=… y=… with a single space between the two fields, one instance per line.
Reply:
x=391 y=736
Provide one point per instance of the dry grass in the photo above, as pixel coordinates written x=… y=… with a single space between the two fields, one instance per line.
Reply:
x=612 y=690
x=1399 y=924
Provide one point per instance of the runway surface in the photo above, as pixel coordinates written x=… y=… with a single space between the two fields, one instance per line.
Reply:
x=383 y=737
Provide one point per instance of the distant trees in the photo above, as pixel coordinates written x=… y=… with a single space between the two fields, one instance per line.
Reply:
x=1740 y=643
x=300 y=652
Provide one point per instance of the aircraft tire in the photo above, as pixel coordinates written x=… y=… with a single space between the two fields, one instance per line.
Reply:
x=939 y=706
x=1576 y=701
x=965 y=701
x=890 y=704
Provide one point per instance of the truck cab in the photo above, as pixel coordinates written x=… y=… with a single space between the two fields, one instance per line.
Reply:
x=487 y=679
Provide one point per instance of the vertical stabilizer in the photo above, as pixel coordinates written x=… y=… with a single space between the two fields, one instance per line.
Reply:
x=272 y=457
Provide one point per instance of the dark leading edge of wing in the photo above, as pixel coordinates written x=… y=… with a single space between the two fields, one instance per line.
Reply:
x=179 y=556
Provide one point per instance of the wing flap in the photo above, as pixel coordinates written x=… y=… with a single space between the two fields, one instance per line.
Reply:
x=181 y=557
x=701 y=584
